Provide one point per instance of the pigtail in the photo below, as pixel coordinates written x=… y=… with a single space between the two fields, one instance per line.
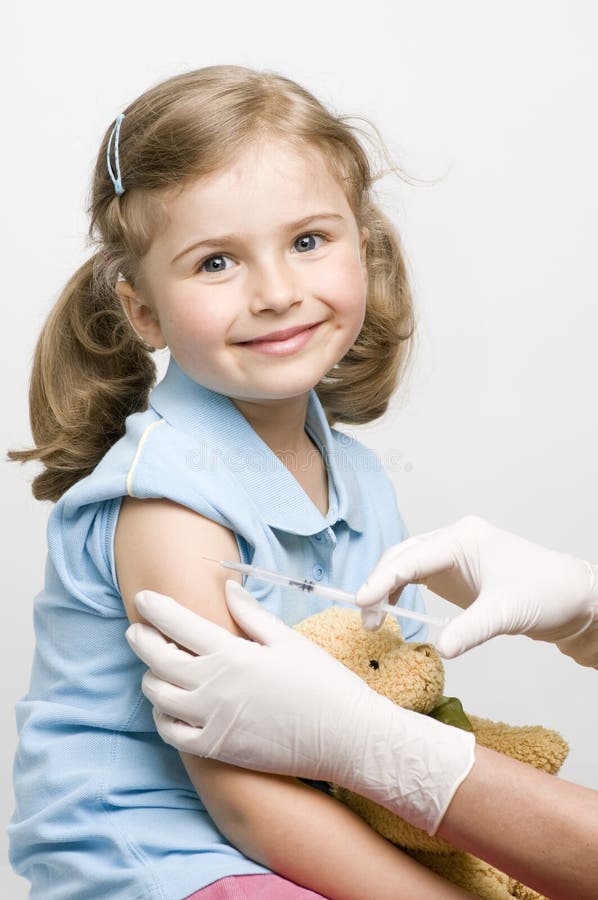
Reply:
x=90 y=371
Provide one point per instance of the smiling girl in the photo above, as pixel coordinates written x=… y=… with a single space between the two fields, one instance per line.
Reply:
x=235 y=225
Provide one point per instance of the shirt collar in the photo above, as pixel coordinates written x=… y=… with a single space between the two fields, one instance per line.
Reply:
x=213 y=419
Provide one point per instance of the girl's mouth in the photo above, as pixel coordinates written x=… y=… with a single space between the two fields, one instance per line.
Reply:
x=282 y=347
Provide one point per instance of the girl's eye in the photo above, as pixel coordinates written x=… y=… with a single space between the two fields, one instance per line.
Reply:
x=209 y=261
x=307 y=237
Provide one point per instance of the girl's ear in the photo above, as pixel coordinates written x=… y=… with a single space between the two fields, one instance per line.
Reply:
x=141 y=317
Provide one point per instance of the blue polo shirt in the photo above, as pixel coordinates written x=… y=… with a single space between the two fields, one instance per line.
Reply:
x=104 y=808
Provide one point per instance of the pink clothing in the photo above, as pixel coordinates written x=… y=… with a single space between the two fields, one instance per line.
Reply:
x=254 y=887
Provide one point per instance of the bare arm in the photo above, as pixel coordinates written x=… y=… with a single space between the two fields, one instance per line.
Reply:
x=310 y=838
x=538 y=828
x=299 y=832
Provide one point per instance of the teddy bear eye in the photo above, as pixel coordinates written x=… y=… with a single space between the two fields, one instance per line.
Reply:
x=374 y=664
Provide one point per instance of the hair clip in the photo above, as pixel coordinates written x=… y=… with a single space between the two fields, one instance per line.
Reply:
x=116 y=178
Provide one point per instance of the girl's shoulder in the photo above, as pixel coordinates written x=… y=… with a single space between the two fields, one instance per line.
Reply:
x=151 y=461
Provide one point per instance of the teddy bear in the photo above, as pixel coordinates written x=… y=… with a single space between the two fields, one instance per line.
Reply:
x=412 y=675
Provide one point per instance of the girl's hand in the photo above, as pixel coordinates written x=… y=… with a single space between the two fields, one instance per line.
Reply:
x=279 y=703
x=506 y=584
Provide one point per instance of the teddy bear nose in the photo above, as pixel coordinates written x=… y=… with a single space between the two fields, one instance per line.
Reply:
x=374 y=664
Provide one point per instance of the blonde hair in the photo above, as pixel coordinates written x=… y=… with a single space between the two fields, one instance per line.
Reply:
x=90 y=369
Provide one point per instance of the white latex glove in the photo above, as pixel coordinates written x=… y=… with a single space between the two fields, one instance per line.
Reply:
x=284 y=705
x=510 y=585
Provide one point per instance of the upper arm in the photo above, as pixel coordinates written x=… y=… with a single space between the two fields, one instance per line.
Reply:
x=159 y=545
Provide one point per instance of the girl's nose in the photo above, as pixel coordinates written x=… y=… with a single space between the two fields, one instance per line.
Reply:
x=275 y=287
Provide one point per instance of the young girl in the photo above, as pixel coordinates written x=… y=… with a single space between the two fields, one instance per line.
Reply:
x=235 y=224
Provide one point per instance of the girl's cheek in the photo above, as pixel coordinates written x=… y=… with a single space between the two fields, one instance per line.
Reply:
x=341 y=287
x=352 y=293
x=206 y=314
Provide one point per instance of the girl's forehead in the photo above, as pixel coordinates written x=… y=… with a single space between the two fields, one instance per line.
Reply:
x=269 y=181
x=257 y=169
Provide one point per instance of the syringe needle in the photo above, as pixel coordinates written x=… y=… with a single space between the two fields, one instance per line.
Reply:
x=323 y=590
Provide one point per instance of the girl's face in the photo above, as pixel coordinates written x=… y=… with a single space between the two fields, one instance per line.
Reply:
x=259 y=269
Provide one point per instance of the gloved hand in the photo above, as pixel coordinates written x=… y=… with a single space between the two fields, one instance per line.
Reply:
x=284 y=705
x=510 y=586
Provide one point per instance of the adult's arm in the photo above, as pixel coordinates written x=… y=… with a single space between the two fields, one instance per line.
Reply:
x=538 y=828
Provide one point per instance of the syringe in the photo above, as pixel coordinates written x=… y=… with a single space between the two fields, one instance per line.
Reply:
x=323 y=590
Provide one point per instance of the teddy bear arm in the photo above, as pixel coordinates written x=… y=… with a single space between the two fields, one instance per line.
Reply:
x=539 y=747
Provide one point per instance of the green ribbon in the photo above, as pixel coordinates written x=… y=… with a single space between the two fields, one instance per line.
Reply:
x=450 y=711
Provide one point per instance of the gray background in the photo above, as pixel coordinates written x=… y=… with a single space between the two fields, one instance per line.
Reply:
x=494 y=104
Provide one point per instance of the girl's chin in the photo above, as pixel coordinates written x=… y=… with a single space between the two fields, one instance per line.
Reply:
x=266 y=377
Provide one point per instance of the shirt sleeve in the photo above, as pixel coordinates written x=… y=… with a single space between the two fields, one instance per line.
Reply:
x=80 y=543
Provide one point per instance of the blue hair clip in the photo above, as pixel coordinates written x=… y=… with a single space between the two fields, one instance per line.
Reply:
x=116 y=178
